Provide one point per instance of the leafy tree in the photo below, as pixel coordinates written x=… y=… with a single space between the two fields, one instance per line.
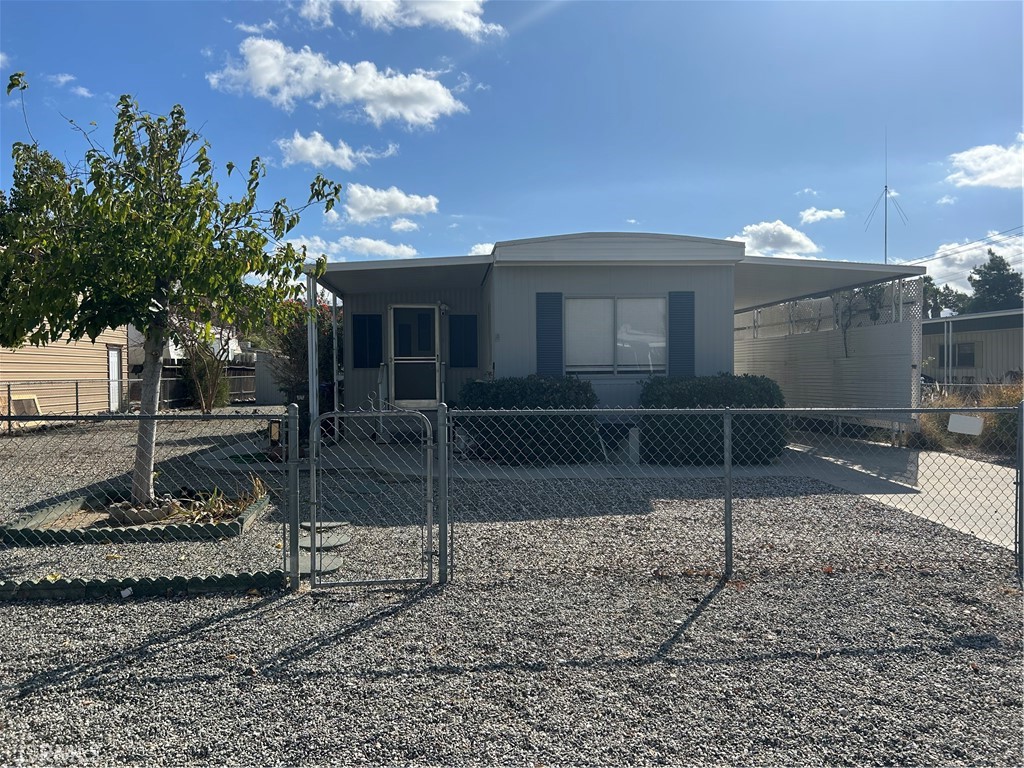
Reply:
x=291 y=367
x=996 y=285
x=953 y=300
x=932 y=298
x=135 y=235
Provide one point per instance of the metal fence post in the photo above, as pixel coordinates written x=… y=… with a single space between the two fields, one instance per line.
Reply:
x=727 y=471
x=293 y=497
x=442 y=493
x=76 y=398
x=10 y=424
x=1019 y=521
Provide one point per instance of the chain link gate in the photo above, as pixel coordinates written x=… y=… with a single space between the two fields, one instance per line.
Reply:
x=371 y=500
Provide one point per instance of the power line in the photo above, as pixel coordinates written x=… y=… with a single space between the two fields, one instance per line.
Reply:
x=993 y=239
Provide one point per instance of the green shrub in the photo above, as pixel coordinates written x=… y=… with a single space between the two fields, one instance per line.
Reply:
x=535 y=440
x=207 y=383
x=700 y=439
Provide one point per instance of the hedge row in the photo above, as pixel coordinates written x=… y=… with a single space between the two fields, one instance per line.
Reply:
x=531 y=440
x=698 y=439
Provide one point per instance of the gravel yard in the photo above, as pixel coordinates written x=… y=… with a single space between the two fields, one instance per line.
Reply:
x=851 y=634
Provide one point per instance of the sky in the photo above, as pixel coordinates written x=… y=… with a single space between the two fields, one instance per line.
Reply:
x=453 y=125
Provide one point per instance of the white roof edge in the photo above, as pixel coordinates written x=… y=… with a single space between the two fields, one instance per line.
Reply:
x=973 y=315
x=415 y=261
x=615 y=235
x=896 y=270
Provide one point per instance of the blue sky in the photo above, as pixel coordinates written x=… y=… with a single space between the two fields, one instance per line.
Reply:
x=454 y=125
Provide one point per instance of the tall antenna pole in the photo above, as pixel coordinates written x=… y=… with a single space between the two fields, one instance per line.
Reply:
x=884 y=200
x=885 y=213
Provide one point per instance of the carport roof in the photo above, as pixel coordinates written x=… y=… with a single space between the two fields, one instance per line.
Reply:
x=759 y=281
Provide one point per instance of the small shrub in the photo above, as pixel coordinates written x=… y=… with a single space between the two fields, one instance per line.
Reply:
x=999 y=435
x=207 y=385
x=700 y=439
x=1000 y=432
x=535 y=440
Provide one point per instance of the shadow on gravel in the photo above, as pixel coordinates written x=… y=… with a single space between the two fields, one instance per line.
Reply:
x=96 y=674
x=83 y=675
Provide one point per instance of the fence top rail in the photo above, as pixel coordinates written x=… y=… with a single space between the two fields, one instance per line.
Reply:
x=808 y=412
x=128 y=417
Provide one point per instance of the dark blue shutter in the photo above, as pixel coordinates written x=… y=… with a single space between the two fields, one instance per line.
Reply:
x=462 y=341
x=367 y=341
x=549 y=334
x=681 y=334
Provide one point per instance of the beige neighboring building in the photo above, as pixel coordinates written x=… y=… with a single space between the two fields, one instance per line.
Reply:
x=82 y=377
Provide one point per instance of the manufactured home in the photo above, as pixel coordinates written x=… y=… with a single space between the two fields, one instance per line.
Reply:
x=612 y=308
x=979 y=348
x=80 y=377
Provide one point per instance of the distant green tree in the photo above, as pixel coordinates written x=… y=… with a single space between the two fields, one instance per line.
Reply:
x=953 y=300
x=932 y=298
x=996 y=286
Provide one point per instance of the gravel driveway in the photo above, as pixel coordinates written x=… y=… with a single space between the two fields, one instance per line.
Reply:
x=851 y=634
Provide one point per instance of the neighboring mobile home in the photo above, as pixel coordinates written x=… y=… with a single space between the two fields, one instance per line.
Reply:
x=613 y=308
x=80 y=377
x=980 y=348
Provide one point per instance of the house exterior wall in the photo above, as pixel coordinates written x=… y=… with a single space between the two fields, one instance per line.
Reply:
x=61 y=365
x=997 y=353
x=515 y=286
x=361 y=383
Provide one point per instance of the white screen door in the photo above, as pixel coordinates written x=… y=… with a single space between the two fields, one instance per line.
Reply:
x=114 y=378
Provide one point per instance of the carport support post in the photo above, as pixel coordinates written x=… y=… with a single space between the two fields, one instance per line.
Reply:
x=293 y=497
x=727 y=471
x=442 y=493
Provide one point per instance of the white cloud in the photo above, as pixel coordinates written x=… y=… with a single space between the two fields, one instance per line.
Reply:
x=807 y=191
x=366 y=203
x=335 y=250
x=773 y=238
x=463 y=16
x=4 y=60
x=206 y=52
x=319 y=152
x=404 y=225
x=989 y=165
x=956 y=260
x=81 y=90
x=365 y=246
x=272 y=71
x=811 y=215
x=332 y=218
x=255 y=29
x=946 y=200
x=481 y=249
x=62 y=79
x=317 y=12
x=632 y=221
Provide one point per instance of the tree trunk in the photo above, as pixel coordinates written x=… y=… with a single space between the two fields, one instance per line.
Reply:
x=145 y=449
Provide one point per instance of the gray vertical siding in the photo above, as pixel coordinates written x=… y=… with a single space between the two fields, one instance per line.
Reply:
x=514 y=314
x=360 y=383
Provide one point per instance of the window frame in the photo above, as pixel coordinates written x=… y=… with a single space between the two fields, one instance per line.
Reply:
x=617 y=369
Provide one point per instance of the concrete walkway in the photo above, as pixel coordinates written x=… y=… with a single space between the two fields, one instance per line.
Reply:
x=974 y=497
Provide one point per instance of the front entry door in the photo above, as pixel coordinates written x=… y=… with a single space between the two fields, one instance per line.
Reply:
x=415 y=359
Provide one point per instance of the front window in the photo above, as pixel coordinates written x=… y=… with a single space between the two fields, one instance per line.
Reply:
x=615 y=335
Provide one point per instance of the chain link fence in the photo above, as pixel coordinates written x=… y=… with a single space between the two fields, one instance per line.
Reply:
x=67 y=513
x=634 y=494
x=728 y=492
